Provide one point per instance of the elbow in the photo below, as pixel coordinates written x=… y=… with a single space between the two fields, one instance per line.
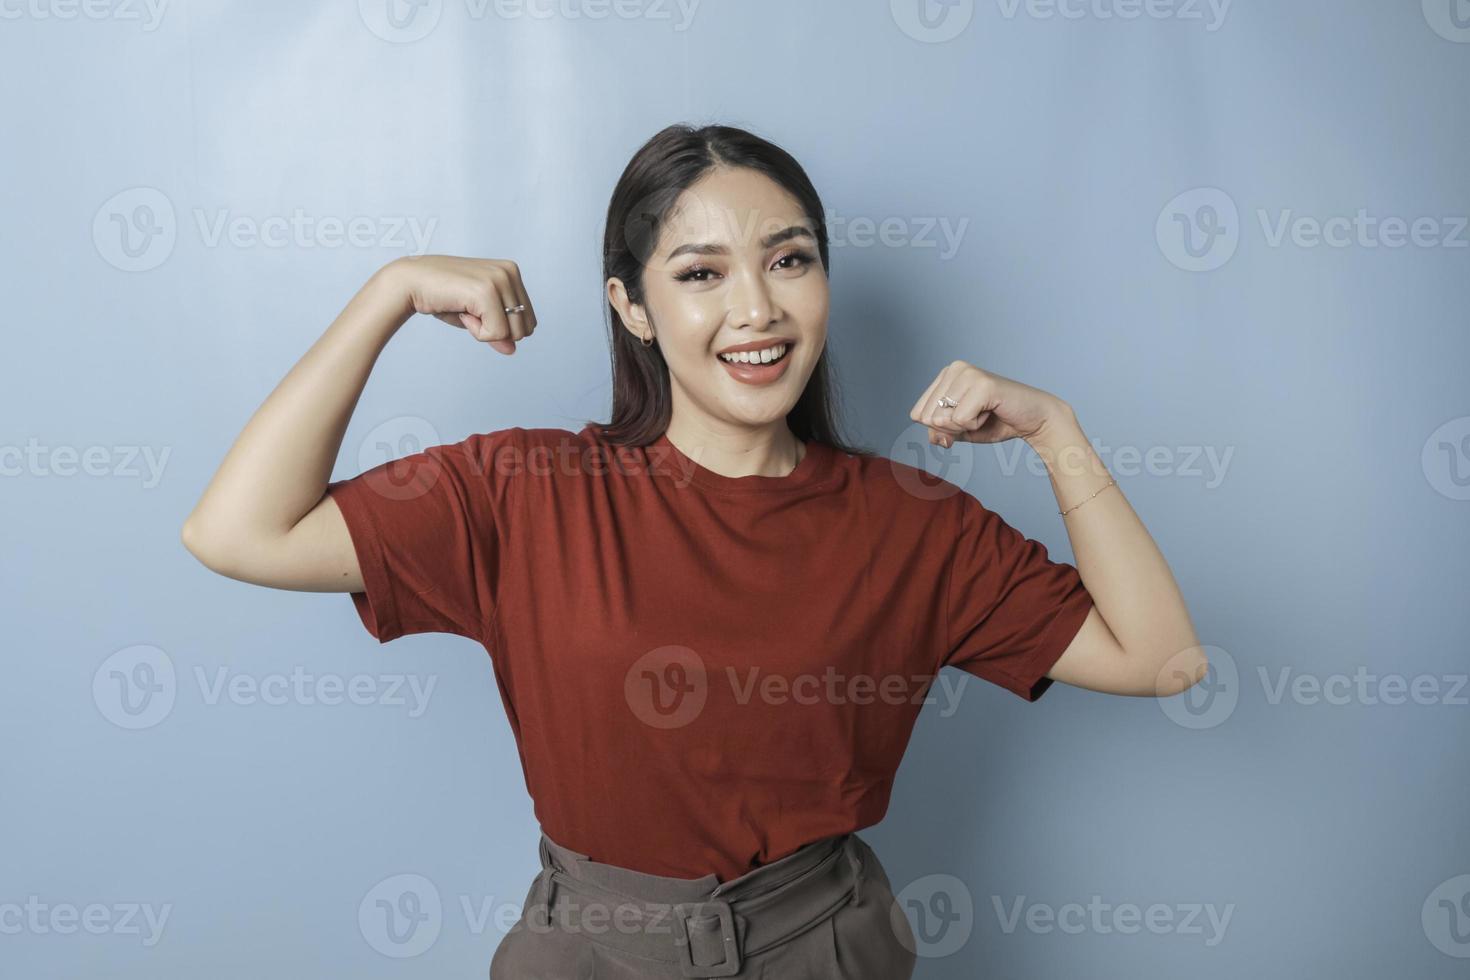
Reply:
x=199 y=543
x=189 y=537
x=193 y=543
x=1183 y=670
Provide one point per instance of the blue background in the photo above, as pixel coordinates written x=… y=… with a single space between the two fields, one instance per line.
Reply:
x=1116 y=184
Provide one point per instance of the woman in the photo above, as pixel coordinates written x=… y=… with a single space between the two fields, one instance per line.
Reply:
x=712 y=622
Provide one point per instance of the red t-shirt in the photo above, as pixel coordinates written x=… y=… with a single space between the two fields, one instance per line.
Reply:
x=703 y=673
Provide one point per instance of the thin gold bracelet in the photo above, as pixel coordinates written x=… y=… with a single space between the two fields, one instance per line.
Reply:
x=1110 y=483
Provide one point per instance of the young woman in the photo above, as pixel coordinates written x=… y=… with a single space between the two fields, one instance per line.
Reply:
x=712 y=622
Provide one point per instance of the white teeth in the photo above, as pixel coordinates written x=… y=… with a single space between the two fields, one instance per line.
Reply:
x=764 y=356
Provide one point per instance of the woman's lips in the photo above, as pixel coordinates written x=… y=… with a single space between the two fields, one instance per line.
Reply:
x=756 y=374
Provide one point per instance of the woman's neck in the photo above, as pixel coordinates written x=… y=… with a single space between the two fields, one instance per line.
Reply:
x=771 y=451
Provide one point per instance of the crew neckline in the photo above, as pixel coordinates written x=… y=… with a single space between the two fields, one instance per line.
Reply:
x=815 y=464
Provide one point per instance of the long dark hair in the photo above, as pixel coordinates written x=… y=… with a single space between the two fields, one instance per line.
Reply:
x=673 y=160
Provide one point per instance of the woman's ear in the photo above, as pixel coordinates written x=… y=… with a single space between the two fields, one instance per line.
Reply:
x=631 y=313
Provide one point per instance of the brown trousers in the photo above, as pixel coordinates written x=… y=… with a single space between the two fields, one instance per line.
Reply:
x=827 y=911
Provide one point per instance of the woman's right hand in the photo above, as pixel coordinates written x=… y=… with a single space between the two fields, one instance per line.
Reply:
x=471 y=294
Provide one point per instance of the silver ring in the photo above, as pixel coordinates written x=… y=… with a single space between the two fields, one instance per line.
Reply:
x=519 y=308
x=948 y=402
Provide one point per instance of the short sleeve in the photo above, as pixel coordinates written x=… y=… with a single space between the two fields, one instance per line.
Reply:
x=1012 y=611
x=428 y=530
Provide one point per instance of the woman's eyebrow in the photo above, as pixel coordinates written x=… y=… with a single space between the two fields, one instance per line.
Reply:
x=775 y=238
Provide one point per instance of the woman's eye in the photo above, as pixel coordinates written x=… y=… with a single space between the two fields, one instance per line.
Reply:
x=701 y=273
x=802 y=258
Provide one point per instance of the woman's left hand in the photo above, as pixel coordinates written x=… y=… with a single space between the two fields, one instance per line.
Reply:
x=988 y=407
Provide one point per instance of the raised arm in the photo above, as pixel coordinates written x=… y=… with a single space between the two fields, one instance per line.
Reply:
x=1137 y=639
x=265 y=517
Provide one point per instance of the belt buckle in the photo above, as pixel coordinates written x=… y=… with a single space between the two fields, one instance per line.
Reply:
x=727 y=967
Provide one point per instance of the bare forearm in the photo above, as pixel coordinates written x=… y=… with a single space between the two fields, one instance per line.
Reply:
x=279 y=465
x=1124 y=571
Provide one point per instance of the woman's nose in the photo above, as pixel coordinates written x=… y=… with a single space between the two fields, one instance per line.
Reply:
x=751 y=304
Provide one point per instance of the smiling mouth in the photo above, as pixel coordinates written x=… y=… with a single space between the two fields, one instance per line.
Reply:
x=756 y=371
x=756 y=358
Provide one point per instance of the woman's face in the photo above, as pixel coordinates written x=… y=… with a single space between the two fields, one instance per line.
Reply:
x=736 y=266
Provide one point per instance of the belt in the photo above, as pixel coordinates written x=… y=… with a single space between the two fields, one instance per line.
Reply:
x=712 y=936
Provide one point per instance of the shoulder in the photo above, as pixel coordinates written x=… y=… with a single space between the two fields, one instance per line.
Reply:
x=538 y=452
x=525 y=438
x=508 y=450
x=551 y=442
x=903 y=489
